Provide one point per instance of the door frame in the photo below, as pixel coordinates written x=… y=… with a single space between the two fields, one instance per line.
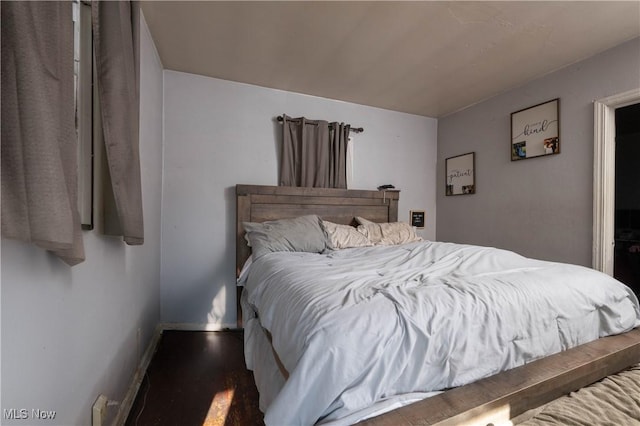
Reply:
x=604 y=167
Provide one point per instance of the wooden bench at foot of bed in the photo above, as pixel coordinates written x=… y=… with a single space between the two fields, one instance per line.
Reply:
x=504 y=396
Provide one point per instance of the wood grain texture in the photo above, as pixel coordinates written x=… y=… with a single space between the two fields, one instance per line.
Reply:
x=506 y=395
x=260 y=203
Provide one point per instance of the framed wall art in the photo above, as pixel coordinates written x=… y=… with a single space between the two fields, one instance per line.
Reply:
x=460 y=174
x=417 y=218
x=535 y=131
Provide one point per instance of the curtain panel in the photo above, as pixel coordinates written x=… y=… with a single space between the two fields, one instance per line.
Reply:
x=339 y=140
x=115 y=36
x=39 y=145
x=313 y=153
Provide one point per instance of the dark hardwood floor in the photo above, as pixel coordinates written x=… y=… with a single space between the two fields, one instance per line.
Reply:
x=197 y=378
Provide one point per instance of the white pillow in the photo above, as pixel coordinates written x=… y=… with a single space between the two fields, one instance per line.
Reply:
x=345 y=236
x=392 y=233
x=369 y=229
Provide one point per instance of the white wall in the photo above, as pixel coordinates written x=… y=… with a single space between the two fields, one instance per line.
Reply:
x=70 y=334
x=219 y=134
x=540 y=207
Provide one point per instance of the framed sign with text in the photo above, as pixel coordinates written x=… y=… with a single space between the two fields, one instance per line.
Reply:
x=535 y=131
x=460 y=173
x=417 y=218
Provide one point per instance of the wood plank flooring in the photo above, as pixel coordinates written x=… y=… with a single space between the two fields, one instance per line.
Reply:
x=197 y=378
x=200 y=378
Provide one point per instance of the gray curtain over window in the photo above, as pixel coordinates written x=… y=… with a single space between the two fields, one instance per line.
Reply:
x=39 y=145
x=338 y=141
x=115 y=37
x=313 y=153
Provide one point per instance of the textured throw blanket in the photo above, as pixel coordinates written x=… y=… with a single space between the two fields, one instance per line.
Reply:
x=615 y=400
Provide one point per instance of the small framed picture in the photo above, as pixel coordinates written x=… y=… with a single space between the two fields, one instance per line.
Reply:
x=535 y=131
x=460 y=174
x=417 y=218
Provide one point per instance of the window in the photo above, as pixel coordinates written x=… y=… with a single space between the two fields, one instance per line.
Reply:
x=83 y=76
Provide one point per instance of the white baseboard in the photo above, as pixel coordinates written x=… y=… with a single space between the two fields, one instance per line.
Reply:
x=130 y=397
x=188 y=326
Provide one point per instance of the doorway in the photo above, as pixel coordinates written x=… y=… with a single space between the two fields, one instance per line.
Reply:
x=626 y=265
x=604 y=177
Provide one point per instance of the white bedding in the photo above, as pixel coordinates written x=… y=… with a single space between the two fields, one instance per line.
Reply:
x=359 y=326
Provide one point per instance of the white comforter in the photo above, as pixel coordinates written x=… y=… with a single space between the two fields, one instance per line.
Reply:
x=357 y=326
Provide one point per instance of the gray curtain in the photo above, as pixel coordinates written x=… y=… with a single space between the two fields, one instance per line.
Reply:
x=115 y=37
x=313 y=153
x=338 y=141
x=39 y=145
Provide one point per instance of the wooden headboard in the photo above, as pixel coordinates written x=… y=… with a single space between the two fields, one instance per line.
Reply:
x=258 y=203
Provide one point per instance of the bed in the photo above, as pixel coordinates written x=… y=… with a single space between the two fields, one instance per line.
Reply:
x=309 y=366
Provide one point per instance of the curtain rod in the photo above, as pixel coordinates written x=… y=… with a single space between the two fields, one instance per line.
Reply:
x=352 y=129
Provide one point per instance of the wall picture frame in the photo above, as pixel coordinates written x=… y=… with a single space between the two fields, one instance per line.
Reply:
x=535 y=131
x=460 y=174
x=417 y=218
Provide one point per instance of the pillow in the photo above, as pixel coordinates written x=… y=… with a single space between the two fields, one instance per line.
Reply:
x=369 y=229
x=387 y=233
x=304 y=233
x=398 y=233
x=344 y=236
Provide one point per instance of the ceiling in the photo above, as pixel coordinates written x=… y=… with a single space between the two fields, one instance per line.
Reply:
x=425 y=58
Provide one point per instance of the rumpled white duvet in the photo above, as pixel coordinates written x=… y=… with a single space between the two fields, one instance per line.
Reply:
x=359 y=326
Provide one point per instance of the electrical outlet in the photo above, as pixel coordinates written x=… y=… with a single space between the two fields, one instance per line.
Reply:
x=99 y=411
